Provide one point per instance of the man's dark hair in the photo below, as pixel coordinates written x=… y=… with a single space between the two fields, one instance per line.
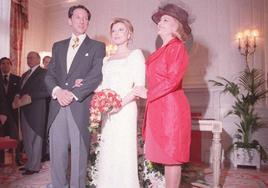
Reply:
x=72 y=8
x=5 y=58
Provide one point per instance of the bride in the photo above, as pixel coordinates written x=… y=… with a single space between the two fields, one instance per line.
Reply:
x=122 y=72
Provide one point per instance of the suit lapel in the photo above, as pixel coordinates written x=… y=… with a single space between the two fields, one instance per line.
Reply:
x=22 y=78
x=29 y=80
x=64 y=58
x=82 y=51
x=1 y=78
x=10 y=83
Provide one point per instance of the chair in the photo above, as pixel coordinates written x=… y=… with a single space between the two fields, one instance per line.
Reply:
x=9 y=143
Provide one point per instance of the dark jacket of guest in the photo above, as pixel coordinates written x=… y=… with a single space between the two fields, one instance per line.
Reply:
x=35 y=113
x=12 y=89
x=3 y=102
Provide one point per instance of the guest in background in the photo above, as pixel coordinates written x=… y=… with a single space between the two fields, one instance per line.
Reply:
x=3 y=117
x=122 y=72
x=3 y=105
x=77 y=57
x=11 y=84
x=45 y=151
x=46 y=61
x=11 y=87
x=33 y=96
x=167 y=124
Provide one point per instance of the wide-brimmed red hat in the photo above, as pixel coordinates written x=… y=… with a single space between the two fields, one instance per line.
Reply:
x=176 y=12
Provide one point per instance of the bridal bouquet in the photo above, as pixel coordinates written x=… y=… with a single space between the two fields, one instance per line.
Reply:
x=103 y=102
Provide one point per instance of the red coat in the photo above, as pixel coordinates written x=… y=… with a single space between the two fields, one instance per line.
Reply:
x=167 y=114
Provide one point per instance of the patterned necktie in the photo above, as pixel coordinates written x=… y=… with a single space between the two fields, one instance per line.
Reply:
x=5 y=79
x=75 y=42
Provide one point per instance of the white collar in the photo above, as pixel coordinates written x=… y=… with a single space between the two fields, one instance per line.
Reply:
x=8 y=74
x=81 y=37
x=33 y=68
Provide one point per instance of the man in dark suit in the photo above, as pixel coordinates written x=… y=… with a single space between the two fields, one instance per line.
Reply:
x=76 y=58
x=45 y=151
x=33 y=95
x=11 y=87
x=11 y=83
x=3 y=105
x=3 y=116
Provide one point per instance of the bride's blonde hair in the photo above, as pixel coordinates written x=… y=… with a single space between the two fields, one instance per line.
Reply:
x=124 y=21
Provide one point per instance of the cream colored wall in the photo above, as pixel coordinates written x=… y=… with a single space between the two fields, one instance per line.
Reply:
x=35 y=35
x=138 y=11
x=214 y=51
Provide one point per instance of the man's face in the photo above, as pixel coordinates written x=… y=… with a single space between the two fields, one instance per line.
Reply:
x=79 y=21
x=46 y=61
x=5 y=66
x=32 y=59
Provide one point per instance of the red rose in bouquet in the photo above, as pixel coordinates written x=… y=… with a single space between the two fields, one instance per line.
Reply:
x=103 y=102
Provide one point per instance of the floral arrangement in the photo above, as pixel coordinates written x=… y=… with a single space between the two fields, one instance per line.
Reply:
x=103 y=102
x=151 y=175
x=92 y=170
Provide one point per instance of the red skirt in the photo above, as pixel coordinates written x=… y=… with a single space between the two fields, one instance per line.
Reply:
x=153 y=151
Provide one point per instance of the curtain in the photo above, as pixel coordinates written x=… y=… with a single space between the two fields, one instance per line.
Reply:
x=4 y=28
x=18 y=24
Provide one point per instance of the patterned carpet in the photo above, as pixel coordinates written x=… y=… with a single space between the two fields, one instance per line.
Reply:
x=246 y=178
x=12 y=178
x=230 y=178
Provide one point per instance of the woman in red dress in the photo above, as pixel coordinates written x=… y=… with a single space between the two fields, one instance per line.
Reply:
x=167 y=124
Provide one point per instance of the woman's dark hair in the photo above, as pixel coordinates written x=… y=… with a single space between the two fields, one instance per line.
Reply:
x=72 y=8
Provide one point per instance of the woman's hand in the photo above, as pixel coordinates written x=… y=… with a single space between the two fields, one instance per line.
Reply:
x=114 y=110
x=140 y=91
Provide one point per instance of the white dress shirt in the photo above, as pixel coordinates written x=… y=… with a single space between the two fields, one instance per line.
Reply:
x=70 y=56
x=72 y=51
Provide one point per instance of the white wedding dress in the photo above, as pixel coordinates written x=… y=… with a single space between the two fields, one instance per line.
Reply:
x=118 y=166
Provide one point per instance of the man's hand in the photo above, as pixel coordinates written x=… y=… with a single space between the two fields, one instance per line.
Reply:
x=64 y=97
x=25 y=99
x=16 y=102
x=3 y=119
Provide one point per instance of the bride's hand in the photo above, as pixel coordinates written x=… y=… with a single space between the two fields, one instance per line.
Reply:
x=78 y=83
x=114 y=110
x=140 y=91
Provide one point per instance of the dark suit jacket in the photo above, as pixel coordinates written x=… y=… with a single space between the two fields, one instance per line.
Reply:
x=3 y=102
x=35 y=113
x=12 y=90
x=3 y=111
x=86 y=65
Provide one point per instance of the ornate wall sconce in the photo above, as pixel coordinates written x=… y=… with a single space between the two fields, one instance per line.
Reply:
x=247 y=42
